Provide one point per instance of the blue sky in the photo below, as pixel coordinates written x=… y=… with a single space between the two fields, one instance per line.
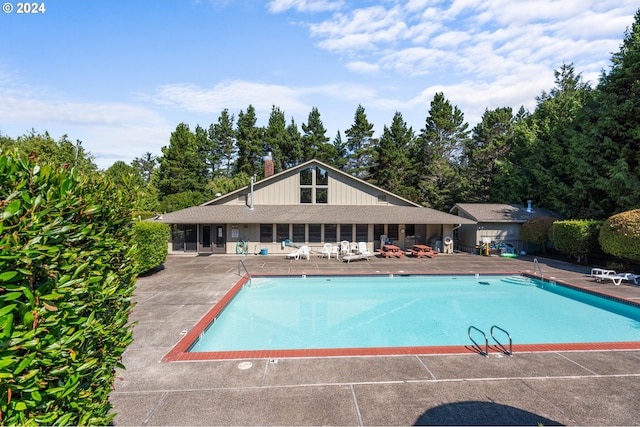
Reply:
x=121 y=75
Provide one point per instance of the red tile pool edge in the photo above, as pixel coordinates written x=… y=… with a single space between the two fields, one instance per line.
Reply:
x=180 y=353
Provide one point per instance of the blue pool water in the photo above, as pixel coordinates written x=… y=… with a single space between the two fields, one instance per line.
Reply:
x=380 y=311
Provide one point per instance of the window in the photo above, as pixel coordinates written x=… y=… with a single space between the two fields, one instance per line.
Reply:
x=382 y=198
x=322 y=177
x=305 y=195
x=306 y=176
x=378 y=230
x=266 y=233
x=321 y=195
x=315 y=234
x=345 y=232
x=298 y=233
x=362 y=232
x=330 y=233
x=393 y=233
x=282 y=232
x=314 y=185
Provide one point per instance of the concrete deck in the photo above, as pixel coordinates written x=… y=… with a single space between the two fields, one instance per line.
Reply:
x=549 y=388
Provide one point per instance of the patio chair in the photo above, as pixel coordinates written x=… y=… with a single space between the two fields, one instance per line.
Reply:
x=326 y=250
x=617 y=278
x=301 y=252
x=353 y=247
x=335 y=250
x=344 y=247
x=363 y=250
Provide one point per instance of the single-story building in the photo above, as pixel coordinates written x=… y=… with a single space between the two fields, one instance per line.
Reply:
x=495 y=222
x=309 y=204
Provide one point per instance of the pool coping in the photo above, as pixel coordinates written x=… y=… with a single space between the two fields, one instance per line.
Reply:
x=179 y=352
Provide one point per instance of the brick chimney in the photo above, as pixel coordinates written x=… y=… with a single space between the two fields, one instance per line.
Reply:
x=268 y=165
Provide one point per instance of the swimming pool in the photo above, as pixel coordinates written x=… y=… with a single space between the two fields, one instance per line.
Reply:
x=404 y=314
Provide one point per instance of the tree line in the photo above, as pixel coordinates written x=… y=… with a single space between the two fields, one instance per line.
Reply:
x=577 y=153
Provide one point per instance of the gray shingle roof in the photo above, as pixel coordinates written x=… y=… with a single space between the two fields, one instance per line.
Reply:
x=499 y=212
x=311 y=214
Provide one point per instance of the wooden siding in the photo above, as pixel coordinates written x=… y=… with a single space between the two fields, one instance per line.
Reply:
x=341 y=191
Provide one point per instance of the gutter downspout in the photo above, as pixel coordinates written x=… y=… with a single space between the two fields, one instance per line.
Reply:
x=251 y=204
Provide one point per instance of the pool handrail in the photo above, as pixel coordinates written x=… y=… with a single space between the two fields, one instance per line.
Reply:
x=476 y=345
x=537 y=264
x=502 y=347
x=240 y=262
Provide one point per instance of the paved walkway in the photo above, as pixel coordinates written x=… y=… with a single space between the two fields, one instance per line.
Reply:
x=551 y=388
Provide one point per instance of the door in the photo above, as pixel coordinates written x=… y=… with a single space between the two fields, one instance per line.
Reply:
x=220 y=241
x=206 y=238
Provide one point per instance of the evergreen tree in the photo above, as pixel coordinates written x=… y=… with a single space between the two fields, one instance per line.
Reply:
x=438 y=153
x=182 y=167
x=293 y=151
x=223 y=137
x=360 y=143
x=207 y=150
x=284 y=145
x=340 y=159
x=485 y=152
x=393 y=169
x=250 y=145
x=549 y=155
x=315 y=144
x=145 y=166
x=616 y=134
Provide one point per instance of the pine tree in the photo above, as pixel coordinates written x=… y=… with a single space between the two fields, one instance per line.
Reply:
x=617 y=131
x=393 y=169
x=438 y=153
x=250 y=145
x=484 y=152
x=314 y=140
x=360 y=143
x=223 y=136
x=181 y=166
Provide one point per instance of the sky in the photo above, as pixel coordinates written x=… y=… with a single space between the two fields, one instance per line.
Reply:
x=120 y=75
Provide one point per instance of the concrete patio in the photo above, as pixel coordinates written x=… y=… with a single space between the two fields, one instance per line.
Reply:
x=549 y=388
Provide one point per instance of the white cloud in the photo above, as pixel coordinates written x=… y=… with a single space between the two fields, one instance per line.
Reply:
x=363 y=67
x=279 y=6
x=110 y=131
x=232 y=94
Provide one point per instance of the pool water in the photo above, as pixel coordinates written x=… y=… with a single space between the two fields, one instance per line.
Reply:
x=400 y=311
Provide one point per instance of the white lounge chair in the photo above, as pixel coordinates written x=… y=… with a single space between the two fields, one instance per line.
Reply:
x=301 y=252
x=353 y=257
x=363 y=250
x=616 y=278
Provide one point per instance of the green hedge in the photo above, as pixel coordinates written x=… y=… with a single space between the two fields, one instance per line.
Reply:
x=152 y=239
x=620 y=235
x=576 y=238
x=537 y=231
x=66 y=279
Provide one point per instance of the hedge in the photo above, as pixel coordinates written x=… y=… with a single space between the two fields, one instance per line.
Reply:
x=66 y=280
x=537 y=231
x=577 y=238
x=152 y=239
x=620 y=235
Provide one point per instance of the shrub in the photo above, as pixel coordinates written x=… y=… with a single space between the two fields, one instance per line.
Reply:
x=620 y=235
x=577 y=238
x=66 y=279
x=537 y=231
x=152 y=239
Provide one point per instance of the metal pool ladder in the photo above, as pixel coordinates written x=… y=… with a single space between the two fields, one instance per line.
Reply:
x=485 y=352
x=536 y=265
x=241 y=263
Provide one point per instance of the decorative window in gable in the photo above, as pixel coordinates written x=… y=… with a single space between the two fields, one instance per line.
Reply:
x=314 y=185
